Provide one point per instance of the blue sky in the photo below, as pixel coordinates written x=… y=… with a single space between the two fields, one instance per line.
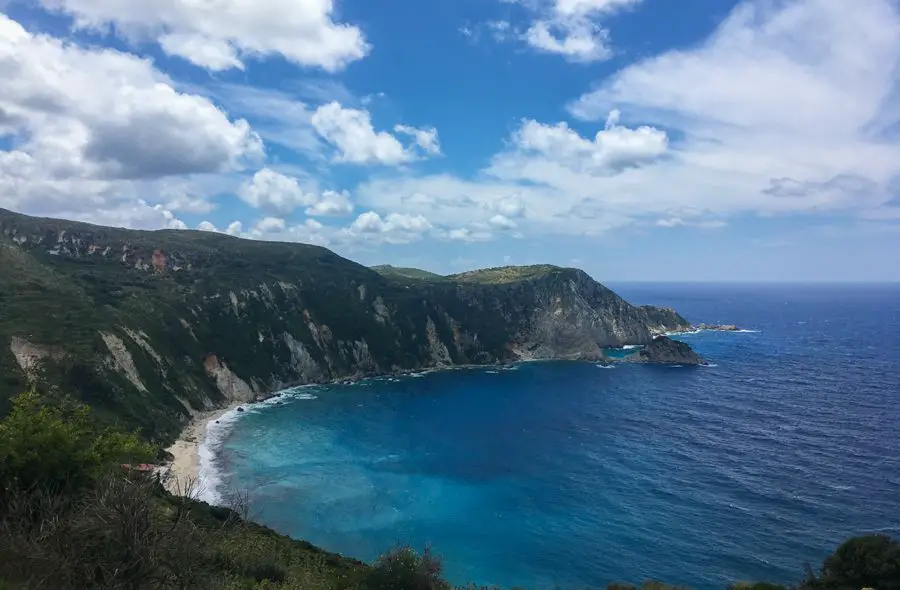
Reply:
x=637 y=139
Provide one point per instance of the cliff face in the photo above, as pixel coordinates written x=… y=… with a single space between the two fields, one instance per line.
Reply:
x=152 y=326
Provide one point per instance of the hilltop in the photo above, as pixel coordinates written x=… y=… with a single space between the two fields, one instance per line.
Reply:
x=508 y=274
x=406 y=273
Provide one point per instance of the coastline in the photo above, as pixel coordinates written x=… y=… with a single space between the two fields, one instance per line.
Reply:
x=186 y=466
x=183 y=471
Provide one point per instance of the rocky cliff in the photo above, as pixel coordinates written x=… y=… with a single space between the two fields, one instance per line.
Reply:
x=153 y=326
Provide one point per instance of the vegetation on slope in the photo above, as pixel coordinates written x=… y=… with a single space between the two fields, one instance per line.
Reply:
x=400 y=272
x=507 y=274
x=72 y=517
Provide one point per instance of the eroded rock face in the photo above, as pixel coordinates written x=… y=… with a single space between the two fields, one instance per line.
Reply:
x=666 y=351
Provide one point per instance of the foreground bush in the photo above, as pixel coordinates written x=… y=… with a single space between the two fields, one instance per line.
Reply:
x=403 y=568
x=60 y=448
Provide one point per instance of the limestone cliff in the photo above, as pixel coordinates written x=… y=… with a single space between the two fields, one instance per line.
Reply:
x=153 y=326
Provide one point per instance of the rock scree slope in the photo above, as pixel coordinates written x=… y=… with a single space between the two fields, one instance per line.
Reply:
x=153 y=326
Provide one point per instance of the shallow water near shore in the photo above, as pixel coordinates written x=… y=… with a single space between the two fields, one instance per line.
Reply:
x=563 y=473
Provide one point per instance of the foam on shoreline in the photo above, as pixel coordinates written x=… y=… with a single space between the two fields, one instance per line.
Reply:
x=195 y=453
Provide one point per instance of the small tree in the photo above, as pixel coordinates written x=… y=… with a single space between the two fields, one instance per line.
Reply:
x=863 y=562
x=403 y=568
x=59 y=448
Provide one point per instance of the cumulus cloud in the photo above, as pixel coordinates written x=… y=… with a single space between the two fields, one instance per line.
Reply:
x=394 y=228
x=466 y=234
x=331 y=203
x=276 y=192
x=427 y=139
x=357 y=142
x=221 y=35
x=111 y=114
x=808 y=126
x=272 y=191
x=612 y=148
x=85 y=123
x=572 y=29
x=502 y=222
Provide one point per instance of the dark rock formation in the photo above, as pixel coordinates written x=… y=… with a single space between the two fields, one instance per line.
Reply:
x=719 y=327
x=664 y=350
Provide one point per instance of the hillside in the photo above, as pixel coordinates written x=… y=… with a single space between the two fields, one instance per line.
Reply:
x=400 y=272
x=150 y=327
x=506 y=274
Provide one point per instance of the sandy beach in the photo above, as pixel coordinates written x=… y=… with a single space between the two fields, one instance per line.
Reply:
x=185 y=465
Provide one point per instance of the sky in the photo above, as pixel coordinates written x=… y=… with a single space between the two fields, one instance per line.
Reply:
x=708 y=140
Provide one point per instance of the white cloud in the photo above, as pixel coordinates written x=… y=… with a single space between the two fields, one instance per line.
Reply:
x=281 y=194
x=105 y=113
x=577 y=39
x=275 y=229
x=466 y=234
x=90 y=127
x=670 y=222
x=807 y=126
x=179 y=197
x=570 y=28
x=331 y=203
x=568 y=7
x=394 y=228
x=275 y=192
x=612 y=148
x=351 y=132
x=269 y=225
x=502 y=222
x=222 y=34
x=234 y=228
x=206 y=226
x=427 y=139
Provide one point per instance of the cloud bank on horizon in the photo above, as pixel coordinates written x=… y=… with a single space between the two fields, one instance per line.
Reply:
x=635 y=138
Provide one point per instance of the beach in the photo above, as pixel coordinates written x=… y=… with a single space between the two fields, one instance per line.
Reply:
x=185 y=464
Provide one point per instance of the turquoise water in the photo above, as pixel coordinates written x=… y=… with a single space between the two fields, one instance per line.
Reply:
x=578 y=475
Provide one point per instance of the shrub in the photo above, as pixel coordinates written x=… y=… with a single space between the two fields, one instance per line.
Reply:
x=863 y=562
x=404 y=569
x=59 y=447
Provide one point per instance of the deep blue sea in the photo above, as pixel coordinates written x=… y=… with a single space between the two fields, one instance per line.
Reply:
x=571 y=474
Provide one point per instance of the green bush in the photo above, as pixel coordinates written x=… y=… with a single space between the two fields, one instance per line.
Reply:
x=404 y=569
x=59 y=447
x=863 y=562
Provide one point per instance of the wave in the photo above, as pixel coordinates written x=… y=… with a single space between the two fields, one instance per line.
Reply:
x=630 y=347
x=710 y=365
x=682 y=332
x=209 y=472
x=605 y=366
x=748 y=331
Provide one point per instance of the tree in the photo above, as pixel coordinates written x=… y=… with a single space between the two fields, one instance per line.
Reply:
x=862 y=562
x=59 y=447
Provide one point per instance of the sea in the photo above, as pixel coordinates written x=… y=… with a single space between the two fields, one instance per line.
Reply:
x=575 y=475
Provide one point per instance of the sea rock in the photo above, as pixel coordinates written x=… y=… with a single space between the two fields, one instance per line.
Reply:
x=666 y=351
x=719 y=327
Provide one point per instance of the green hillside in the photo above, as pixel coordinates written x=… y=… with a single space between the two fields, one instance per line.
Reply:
x=389 y=271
